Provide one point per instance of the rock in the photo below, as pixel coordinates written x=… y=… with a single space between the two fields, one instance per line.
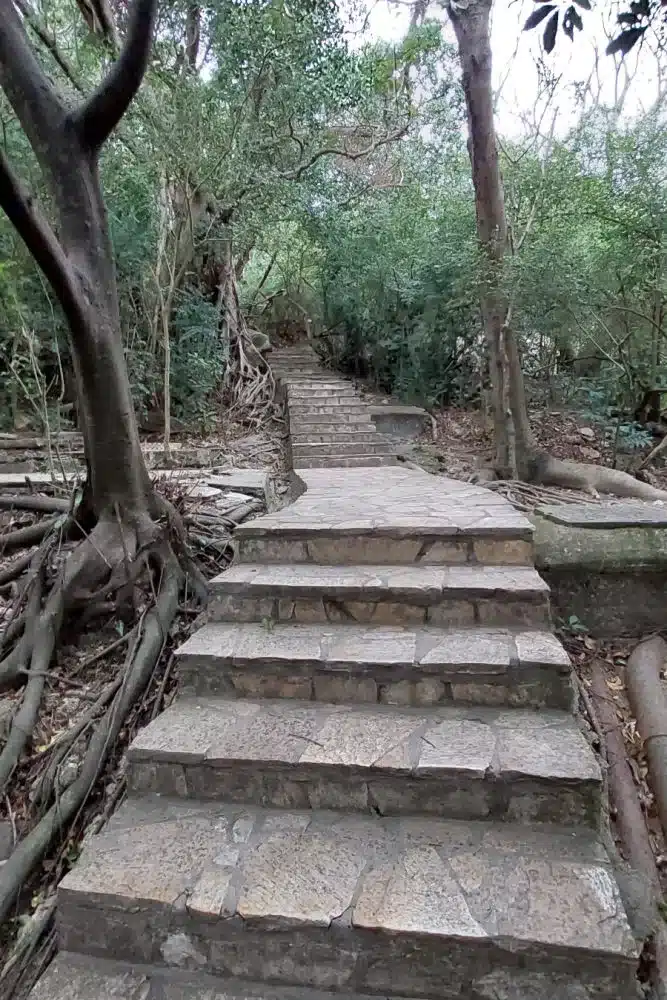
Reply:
x=589 y=453
x=587 y=432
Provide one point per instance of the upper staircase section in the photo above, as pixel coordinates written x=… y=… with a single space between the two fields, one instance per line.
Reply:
x=330 y=425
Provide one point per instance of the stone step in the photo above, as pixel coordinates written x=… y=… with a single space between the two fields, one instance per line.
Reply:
x=81 y=977
x=395 y=666
x=346 y=436
x=447 y=596
x=336 y=429
x=345 y=462
x=341 y=418
x=324 y=380
x=308 y=396
x=342 y=448
x=274 y=539
x=511 y=765
x=301 y=390
x=437 y=909
x=334 y=408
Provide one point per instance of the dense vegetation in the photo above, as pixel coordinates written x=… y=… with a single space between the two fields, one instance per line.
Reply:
x=236 y=164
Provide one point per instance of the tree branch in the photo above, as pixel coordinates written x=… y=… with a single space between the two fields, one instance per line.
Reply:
x=34 y=100
x=40 y=240
x=104 y=109
x=295 y=175
x=49 y=42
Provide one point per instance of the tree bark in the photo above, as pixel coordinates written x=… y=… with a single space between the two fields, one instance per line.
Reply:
x=517 y=454
x=79 y=264
x=513 y=437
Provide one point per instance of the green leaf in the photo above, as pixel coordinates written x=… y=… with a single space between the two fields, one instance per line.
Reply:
x=549 y=37
x=626 y=41
x=537 y=16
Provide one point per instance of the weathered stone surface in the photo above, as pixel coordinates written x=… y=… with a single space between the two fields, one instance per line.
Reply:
x=503 y=552
x=355 y=663
x=453 y=595
x=404 y=423
x=393 y=500
x=278 y=752
x=616 y=515
x=357 y=903
x=78 y=977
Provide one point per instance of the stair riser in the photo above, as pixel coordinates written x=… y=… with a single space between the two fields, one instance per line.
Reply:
x=455 y=796
x=532 y=687
x=337 y=410
x=339 y=462
x=338 y=439
x=337 y=957
x=376 y=550
x=453 y=611
x=349 y=424
x=351 y=450
x=303 y=393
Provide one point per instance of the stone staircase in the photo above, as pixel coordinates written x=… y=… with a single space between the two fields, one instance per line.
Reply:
x=372 y=782
x=330 y=425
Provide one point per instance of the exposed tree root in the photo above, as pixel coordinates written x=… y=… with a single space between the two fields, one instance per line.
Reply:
x=544 y=470
x=53 y=767
x=31 y=849
x=15 y=570
x=593 y=479
x=37 y=503
x=32 y=535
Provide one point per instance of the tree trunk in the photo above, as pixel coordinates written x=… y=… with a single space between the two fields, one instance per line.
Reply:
x=117 y=472
x=514 y=442
x=79 y=263
x=517 y=454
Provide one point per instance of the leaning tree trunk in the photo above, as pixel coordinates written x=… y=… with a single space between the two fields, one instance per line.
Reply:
x=517 y=453
x=79 y=262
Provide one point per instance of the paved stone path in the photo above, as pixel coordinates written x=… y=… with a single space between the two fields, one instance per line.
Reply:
x=371 y=783
x=330 y=425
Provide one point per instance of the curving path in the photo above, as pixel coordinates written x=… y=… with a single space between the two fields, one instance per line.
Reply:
x=372 y=782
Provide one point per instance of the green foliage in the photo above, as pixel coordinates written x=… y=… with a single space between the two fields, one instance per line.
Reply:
x=398 y=293
x=249 y=156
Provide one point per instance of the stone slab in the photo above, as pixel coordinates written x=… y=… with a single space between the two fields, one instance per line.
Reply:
x=404 y=423
x=347 y=903
x=345 y=462
x=618 y=515
x=80 y=977
x=450 y=762
x=394 y=501
x=253 y=481
x=354 y=663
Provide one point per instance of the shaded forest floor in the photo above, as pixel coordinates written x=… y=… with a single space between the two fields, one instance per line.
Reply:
x=464 y=441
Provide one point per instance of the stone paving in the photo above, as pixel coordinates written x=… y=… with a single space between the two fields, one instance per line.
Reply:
x=371 y=783
x=329 y=423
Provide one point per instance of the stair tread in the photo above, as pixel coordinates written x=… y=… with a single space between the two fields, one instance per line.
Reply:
x=396 y=502
x=345 y=646
x=483 y=743
x=162 y=866
x=288 y=581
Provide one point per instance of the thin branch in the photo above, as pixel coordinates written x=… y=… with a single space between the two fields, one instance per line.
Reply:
x=49 y=42
x=34 y=100
x=297 y=174
x=104 y=109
